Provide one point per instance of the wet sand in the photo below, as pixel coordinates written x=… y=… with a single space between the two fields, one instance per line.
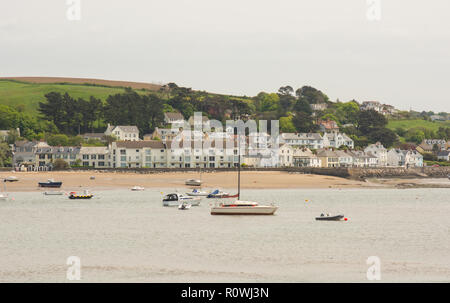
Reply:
x=28 y=181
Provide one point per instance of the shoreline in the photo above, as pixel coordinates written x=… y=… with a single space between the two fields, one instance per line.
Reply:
x=28 y=181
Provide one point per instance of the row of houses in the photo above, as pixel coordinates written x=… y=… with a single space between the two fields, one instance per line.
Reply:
x=223 y=153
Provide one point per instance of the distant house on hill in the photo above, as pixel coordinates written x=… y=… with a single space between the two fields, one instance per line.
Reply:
x=175 y=119
x=93 y=136
x=328 y=126
x=372 y=105
x=444 y=155
x=123 y=132
x=4 y=134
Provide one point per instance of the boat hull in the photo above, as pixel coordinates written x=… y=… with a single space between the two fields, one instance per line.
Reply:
x=332 y=218
x=244 y=210
x=52 y=184
x=56 y=193
x=81 y=197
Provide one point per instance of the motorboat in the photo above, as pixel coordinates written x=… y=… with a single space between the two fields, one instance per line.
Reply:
x=50 y=183
x=176 y=199
x=11 y=179
x=197 y=193
x=330 y=218
x=86 y=195
x=243 y=208
x=92 y=177
x=184 y=206
x=53 y=193
x=3 y=196
x=193 y=182
x=137 y=188
x=220 y=195
x=239 y=207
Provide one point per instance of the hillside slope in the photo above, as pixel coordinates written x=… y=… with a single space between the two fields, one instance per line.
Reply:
x=29 y=91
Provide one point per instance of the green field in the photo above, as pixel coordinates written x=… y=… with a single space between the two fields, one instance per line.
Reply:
x=13 y=93
x=408 y=124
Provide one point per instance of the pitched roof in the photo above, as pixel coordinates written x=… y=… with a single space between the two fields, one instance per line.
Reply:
x=128 y=128
x=140 y=144
x=174 y=116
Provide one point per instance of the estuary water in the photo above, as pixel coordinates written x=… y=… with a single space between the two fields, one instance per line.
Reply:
x=124 y=236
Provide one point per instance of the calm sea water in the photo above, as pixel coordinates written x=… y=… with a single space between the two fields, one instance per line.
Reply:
x=124 y=236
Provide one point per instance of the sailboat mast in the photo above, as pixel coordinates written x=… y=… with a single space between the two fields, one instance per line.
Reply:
x=239 y=167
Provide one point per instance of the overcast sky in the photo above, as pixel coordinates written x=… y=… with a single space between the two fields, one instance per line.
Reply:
x=240 y=47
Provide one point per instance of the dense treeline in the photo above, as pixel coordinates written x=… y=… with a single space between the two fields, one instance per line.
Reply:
x=63 y=117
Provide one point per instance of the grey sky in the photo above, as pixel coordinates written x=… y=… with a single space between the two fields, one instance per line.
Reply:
x=240 y=46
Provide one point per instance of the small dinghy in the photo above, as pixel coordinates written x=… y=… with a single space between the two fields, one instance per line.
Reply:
x=193 y=182
x=197 y=193
x=3 y=197
x=54 y=193
x=330 y=218
x=184 y=206
x=137 y=188
x=11 y=179
x=221 y=195
x=86 y=195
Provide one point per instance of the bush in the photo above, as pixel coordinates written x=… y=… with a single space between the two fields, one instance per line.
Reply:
x=60 y=164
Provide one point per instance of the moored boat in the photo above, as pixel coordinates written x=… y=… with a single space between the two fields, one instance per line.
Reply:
x=221 y=195
x=86 y=195
x=137 y=188
x=197 y=193
x=330 y=218
x=184 y=206
x=53 y=193
x=243 y=208
x=11 y=179
x=50 y=183
x=3 y=196
x=176 y=199
x=193 y=182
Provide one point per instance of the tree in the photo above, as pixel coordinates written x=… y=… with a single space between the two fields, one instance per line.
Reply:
x=60 y=164
x=267 y=102
x=5 y=155
x=286 y=125
x=384 y=135
x=58 y=140
x=303 y=106
x=370 y=119
x=311 y=95
x=303 y=122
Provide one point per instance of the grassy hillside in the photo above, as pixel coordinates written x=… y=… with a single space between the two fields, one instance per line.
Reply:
x=408 y=124
x=14 y=92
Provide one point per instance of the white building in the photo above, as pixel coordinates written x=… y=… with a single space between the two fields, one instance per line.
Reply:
x=175 y=119
x=123 y=132
x=303 y=157
x=97 y=156
x=379 y=151
x=404 y=158
x=132 y=154
x=308 y=140
x=336 y=140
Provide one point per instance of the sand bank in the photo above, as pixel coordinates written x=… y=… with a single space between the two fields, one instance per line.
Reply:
x=28 y=181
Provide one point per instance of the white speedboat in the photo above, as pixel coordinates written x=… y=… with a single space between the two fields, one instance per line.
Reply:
x=53 y=193
x=197 y=193
x=11 y=179
x=184 y=206
x=193 y=182
x=243 y=208
x=137 y=188
x=3 y=197
x=176 y=199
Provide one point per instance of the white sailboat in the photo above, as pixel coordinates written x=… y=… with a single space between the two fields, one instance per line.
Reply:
x=242 y=207
x=4 y=194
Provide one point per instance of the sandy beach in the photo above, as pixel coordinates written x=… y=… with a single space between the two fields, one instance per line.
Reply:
x=28 y=181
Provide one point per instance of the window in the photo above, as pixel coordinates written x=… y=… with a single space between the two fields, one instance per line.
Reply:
x=123 y=158
x=101 y=157
x=85 y=163
x=42 y=156
x=137 y=150
x=93 y=157
x=148 y=151
x=101 y=163
x=123 y=164
x=148 y=158
x=123 y=151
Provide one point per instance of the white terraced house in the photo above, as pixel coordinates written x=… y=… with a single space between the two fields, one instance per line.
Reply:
x=303 y=157
x=206 y=154
x=404 y=158
x=337 y=140
x=285 y=156
x=174 y=119
x=346 y=159
x=135 y=154
x=97 y=156
x=379 y=151
x=123 y=132
x=308 y=140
